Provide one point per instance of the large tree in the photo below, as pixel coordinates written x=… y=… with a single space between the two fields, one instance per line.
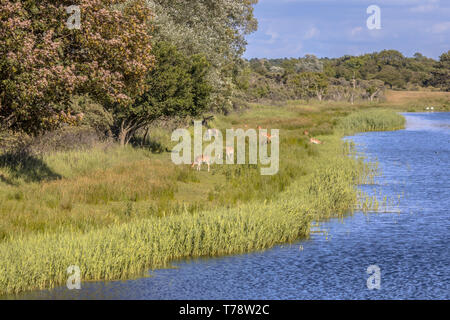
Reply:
x=177 y=87
x=441 y=74
x=307 y=85
x=43 y=62
x=214 y=28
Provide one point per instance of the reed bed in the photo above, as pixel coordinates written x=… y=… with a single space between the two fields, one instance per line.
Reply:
x=371 y=120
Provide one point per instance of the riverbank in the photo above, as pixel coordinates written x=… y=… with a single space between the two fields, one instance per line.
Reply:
x=242 y=212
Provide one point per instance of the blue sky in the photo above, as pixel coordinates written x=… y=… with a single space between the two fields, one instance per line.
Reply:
x=333 y=28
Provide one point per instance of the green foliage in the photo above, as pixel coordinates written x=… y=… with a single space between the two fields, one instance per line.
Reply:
x=441 y=76
x=214 y=29
x=309 y=84
x=43 y=63
x=177 y=88
x=350 y=78
x=94 y=115
x=64 y=139
x=371 y=120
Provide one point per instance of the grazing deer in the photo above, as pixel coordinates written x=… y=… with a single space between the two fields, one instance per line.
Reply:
x=267 y=137
x=315 y=141
x=212 y=132
x=229 y=152
x=200 y=160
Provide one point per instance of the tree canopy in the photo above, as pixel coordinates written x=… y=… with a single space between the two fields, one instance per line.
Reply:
x=176 y=88
x=43 y=63
x=215 y=29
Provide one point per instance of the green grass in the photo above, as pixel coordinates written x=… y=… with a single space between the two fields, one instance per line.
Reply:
x=122 y=251
x=371 y=120
x=117 y=212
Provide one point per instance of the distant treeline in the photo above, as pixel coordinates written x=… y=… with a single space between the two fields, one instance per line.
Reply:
x=345 y=78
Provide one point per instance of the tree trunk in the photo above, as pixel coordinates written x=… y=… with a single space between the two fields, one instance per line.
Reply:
x=123 y=137
x=354 y=88
x=127 y=131
x=145 y=136
x=123 y=134
x=372 y=96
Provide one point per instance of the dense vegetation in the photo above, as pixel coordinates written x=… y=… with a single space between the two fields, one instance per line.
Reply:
x=107 y=211
x=86 y=117
x=374 y=120
x=135 y=63
x=138 y=61
x=348 y=78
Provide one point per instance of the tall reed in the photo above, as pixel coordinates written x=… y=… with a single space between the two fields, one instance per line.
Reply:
x=371 y=120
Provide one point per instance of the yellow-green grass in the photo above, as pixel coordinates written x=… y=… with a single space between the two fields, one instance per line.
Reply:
x=117 y=212
x=416 y=101
x=80 y=190
x=371 y=120
x=118 y=252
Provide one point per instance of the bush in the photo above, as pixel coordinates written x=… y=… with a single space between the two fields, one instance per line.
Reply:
x=94 y=115
x=11 y=141
x=65 y=139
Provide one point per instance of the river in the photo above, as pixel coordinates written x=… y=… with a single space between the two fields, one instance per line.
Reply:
x=409 y=246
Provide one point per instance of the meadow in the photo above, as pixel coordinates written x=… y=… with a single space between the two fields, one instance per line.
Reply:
x=116 y=212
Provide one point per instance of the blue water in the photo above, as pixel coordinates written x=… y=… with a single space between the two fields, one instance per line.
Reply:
x=409 y=246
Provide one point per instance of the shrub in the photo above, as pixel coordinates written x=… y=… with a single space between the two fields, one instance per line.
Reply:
x=64 y=139
x=94 y=115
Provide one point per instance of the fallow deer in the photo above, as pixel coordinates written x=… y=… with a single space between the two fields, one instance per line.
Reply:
x=200 y=160
x=229 y=151
x=212 y=132
x=315 y=141
x=267 y=137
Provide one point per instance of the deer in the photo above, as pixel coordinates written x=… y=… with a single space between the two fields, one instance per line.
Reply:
x=212 y=132
x=229 y=152
x=306 y=133
x=200 y=160
x=267 y=137
x=315 y=141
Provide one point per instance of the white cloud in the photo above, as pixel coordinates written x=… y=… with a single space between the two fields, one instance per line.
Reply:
x=429 y=6
x=311 y=33
x=273 y=36
x=441 y=27
x=356 y=31
x=294 y=27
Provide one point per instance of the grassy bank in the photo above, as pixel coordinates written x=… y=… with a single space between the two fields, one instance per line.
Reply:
x=371 y=120
x=418 y=101
x=117 y=212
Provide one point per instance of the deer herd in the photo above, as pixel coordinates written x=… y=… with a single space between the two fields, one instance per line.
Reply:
x=229 y=151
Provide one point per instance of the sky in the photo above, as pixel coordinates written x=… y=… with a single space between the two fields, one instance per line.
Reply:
x=333 y=28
